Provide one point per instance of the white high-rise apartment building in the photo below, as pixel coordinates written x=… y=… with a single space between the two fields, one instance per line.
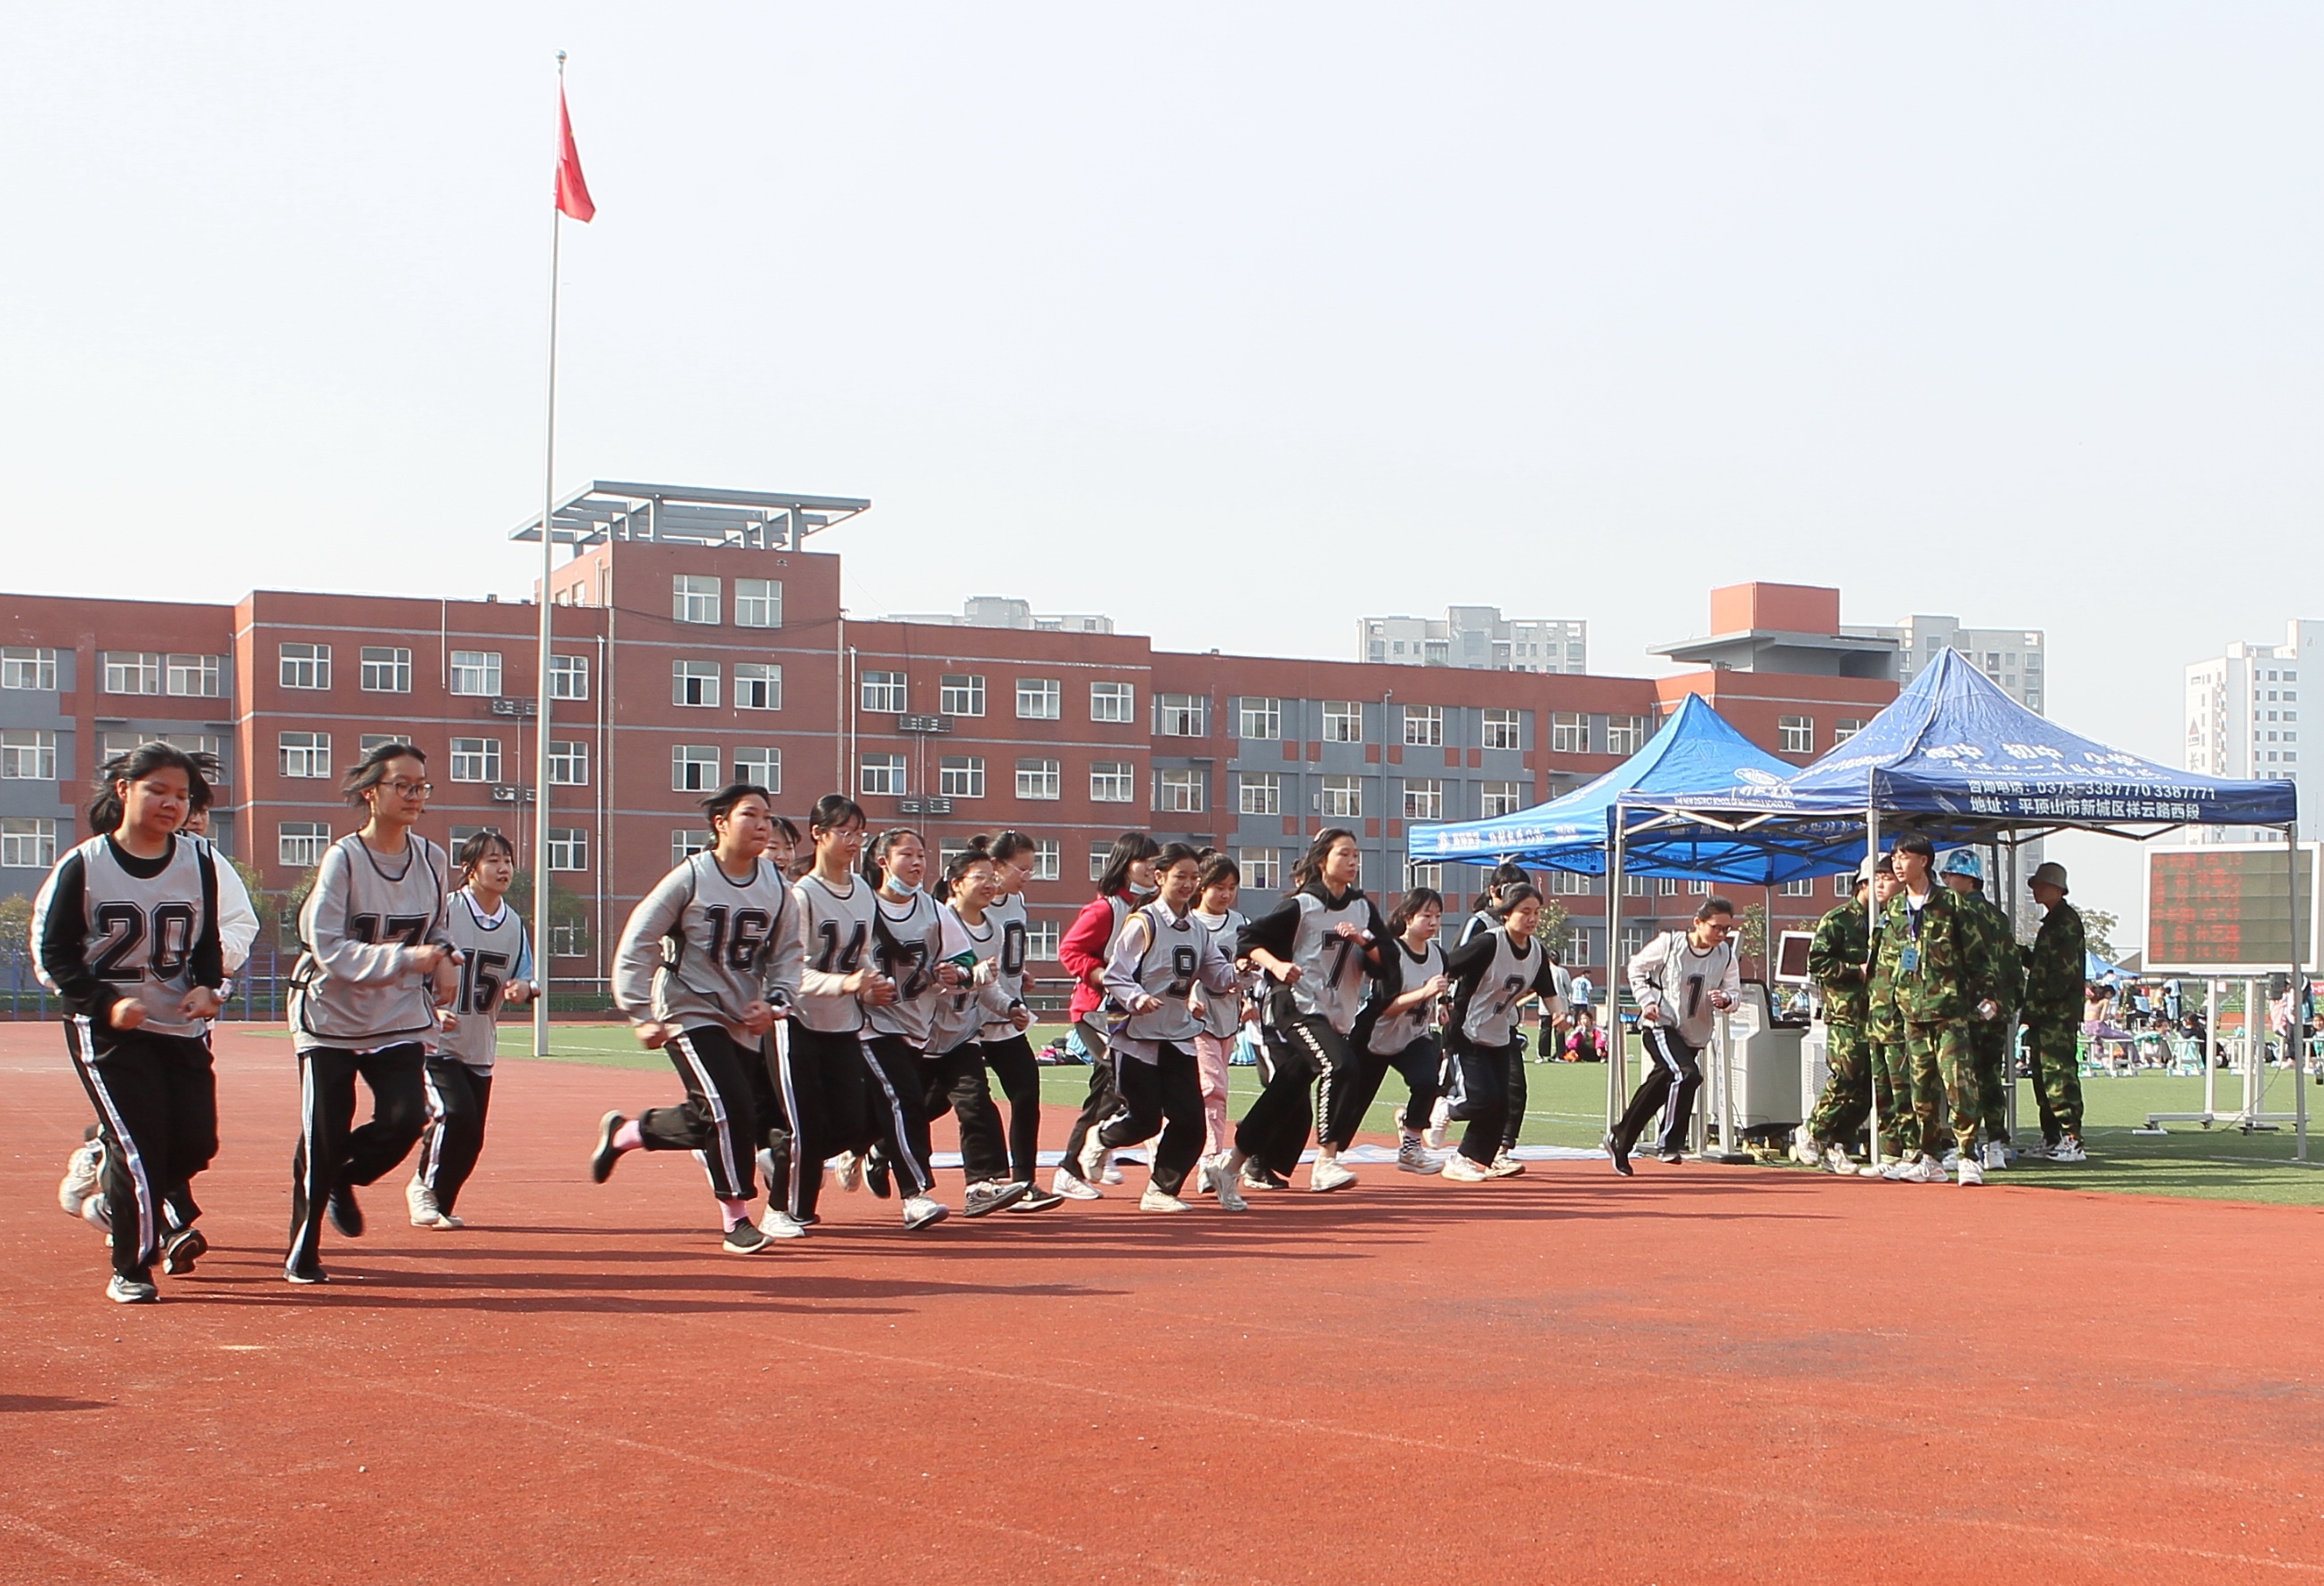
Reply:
x=1477 y=638
x=2011 y=656
x=2242 y=718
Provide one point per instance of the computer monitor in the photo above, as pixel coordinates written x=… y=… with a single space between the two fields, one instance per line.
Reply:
x=1792 y=957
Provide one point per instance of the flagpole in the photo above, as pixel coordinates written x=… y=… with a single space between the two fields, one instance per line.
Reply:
x=541 y=952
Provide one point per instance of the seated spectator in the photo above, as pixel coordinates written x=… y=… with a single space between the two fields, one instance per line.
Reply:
x=1585 y=1042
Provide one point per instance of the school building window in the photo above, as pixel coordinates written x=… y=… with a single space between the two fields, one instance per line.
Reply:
x=961 y=695
x=1262 y=868
x=1041 y=939
x=1261 y=718
x=1431 y=876
x=568 y=763
x=1502 y=730
x=385 y=669
x=476 y=672
x=1039 y=699
x=1499 y=798
x=684 y=846
x=695 y=768
x=568 y=676
x=1568 y=732
x=1845 y=728
x=1844 y=885
x=1099 y=854
x=758 y=685
x=884 y=692
x=1178 y=792
x=1342 y=798
x=1181 y=716
x=1113 y=781
x=28 y=756
x=883 y=773
x=1047 y=853
x=23 y=667
x=1423 y=725
x=1797 y=889
x=1625 y=734
x=1423 y=799
x=568 y=848
x=1113 y=702
x=1569 y=884
x=28 y=842
x=303 y=666
x=476 y=760
x=757 y=602
x=1260 y=793
x=694 y=682
x=569 y=941
x=761 y=766
x=1797 y=734
x=694 y=599
x=301 y=842
x=1344 y=721
x=1039 y=778
x=1666 y=887
x=305 y=754
x=1634 y=886
x=194 y=677
x=961 y=775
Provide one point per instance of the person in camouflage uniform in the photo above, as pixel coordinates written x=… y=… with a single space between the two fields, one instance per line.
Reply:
x=1988 y=1038
x=1883 y=1038
x=2054 y=982
x=1838 y=958
x=1939 y=983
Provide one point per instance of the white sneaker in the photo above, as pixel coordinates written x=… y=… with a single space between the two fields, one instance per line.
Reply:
x=1505 y=1166
x=1065 y=1182
x=778 y=1223
x=1868 y=1171
x=1900 y=1170
x=83 y=1170
x=847 y=1170
x=96 y=1214
x=1412 y=1156
x=920 y=1212
x=1438 y=1116
x=1952 y=1159
x=130 y=1291
x=1804 y=1151
x=1112 y=1172
x=1089 y=1164
x=1327 y=1175
x=422 y=1201
x=1157 y=1199
x=1996 y=1155
x=1461 y=1170
x=1836 y=1159
x=1218 y=1181
x=1926 y=1171
x=2068 y=1149
x=2034 y=1151
x=1972 y=1171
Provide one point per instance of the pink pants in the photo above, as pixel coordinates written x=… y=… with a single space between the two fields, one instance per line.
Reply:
x=1210 y=1068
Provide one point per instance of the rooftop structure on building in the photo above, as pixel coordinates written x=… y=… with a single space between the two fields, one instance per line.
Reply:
x=1005 y=610
x=1791 y=628
x=2242 y=718
x=1477 y=638
x=686 y=514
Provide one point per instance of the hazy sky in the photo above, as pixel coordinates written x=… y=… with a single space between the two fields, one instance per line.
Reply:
x=1235 y=322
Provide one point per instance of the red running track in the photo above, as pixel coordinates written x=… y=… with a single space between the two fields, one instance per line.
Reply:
x=1702 y=1374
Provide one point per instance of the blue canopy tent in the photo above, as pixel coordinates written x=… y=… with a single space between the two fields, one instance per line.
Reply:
x=1955 y=757
x=1695 y=748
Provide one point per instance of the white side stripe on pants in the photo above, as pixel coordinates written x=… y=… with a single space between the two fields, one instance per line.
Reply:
x=685 y=1046
x=148 y=1224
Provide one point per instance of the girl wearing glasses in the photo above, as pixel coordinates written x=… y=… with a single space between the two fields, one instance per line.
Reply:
x=376 y=962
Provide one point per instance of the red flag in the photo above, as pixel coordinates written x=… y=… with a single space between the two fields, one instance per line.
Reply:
x=572 y=187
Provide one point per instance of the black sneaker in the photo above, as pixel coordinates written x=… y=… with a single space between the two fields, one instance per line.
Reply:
x=745 y=1240
x=875 y=1173
x=993 y=1195
x=345 y=1215
x=185 y=1247
x=1037 y=1199
x=311 y=1273
x=1620 y=1155
x=602 y=1159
